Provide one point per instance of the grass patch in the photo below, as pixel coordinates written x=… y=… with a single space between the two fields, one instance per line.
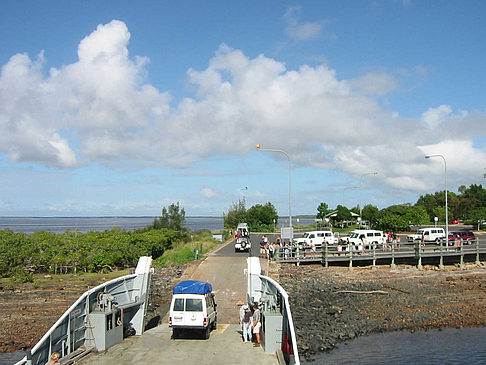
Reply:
x=184 y=252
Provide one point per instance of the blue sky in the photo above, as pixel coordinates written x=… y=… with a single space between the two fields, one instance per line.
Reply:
x=122 y=107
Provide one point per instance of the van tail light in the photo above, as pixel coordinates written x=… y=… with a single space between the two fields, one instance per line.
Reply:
x=170 y=321
x=205 y=321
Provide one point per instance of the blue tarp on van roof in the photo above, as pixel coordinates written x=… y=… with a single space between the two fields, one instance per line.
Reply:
x=192 y=287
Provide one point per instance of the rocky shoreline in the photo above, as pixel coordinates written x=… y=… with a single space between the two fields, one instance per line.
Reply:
x=329 y=305
x=333 y=305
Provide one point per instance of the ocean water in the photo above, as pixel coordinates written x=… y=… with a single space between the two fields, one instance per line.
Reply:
x=433 y=347
x=86 y=224
x=450 y=346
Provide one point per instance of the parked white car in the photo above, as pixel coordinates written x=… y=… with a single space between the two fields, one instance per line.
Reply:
x=316 y=238
x=365 y=238
x=192 y=308
x=430 y=234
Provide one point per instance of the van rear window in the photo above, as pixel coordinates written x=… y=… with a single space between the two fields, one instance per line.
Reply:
x=179 y=305
x=193 y=305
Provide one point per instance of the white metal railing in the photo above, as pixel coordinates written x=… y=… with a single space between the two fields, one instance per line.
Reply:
x=272 y=297
x=71 y=330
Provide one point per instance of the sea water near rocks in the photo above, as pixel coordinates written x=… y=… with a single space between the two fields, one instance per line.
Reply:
x=433 y=347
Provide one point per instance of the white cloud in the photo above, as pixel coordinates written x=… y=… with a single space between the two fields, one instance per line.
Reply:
x=101 y=108
x=208 y=193
x=297 y=30
x=434 y=116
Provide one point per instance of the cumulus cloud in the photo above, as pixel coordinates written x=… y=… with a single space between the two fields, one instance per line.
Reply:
x=298 y=30
x=208 y=193
x=434 y=116
x=101 y=108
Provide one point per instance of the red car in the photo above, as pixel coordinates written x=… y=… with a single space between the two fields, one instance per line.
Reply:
x=467 y=237
x=455 y=221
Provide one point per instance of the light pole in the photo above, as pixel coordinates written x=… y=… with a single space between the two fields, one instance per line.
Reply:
x=360 y=190
x=259 y=148
x=242 y=192
x=445 y=179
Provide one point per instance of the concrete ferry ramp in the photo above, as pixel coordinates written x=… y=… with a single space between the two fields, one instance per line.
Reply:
x=225 y=346
x=156 y=347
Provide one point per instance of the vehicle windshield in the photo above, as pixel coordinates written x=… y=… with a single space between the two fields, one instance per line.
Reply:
x=306 y=235
x=354 y=235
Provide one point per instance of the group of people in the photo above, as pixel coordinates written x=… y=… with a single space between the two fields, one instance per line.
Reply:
x=250 y=321
x=269 y=250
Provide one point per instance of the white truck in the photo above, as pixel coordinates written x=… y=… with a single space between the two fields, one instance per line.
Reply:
x=316 y=238
x=365 y=238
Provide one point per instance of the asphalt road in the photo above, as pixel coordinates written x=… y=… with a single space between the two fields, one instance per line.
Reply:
x=224 y=269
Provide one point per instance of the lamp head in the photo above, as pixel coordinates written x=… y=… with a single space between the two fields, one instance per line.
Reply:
x=258 y=146
x=427 y=156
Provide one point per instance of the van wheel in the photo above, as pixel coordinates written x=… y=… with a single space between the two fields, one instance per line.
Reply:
x=207 y=332
x=437 y=241
x=176 y=333
x=214 y=324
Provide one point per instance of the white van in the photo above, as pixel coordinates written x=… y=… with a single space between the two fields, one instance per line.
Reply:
x=192 y=308
x=366 y=237
x=316 y=238
x=242 y=230
x=430 y=234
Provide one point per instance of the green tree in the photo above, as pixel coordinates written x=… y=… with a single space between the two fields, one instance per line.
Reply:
x=370 y=213
x=261 y=217
x=342 y=214
x=172 y=217
x=439 y=212
x=236 y=214
x=477 y=214
x=322 y=210
x=399 y=217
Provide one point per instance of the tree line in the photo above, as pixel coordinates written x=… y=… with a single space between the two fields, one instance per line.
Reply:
x=469 y=206
x=260 y=218
x=23 y=254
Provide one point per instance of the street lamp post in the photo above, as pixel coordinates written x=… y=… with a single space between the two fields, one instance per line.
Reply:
x=360 y=190
x=242 y=192
x=445 y=179
x=259 y=148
